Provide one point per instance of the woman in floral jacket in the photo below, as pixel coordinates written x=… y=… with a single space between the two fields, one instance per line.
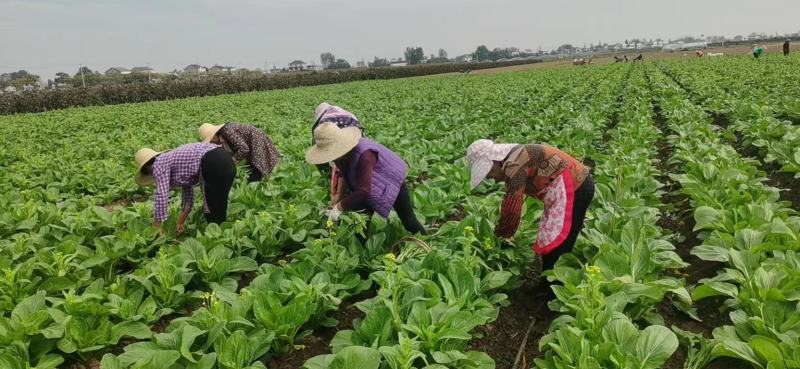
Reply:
x=560 y=181
x=246 y=142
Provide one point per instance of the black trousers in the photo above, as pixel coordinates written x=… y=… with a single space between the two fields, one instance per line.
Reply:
x=405 y=211
x=218 y=170
x=583 y=197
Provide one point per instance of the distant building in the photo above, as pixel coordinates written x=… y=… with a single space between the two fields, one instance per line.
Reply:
x=117 y=71
x=685 y=46
x=141 y=70
x=314 y=67
x=195 y=69
x=10 y=89
x=274 y=70
x=361 y=64
x=220 y=69
x=398 y=64
x=297 y=66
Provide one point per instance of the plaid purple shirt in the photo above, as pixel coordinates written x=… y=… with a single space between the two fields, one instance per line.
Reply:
x=178 y=168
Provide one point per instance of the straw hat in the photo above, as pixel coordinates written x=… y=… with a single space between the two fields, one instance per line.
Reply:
x=142 y=157
x=481 y=155
x=331 y=142
x=207 y=131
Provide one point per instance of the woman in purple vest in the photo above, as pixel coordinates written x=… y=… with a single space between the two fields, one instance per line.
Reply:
x=373 y=175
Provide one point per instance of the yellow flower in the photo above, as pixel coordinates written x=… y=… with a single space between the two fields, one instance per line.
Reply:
x=469 y=231
x=329 y=224
x=390 y=257
x=487 y=245
x=593 y=270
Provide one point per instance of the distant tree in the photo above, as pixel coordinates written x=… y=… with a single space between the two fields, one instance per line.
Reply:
x=379 y=62
x=340 y=64
x=90 y=77
x=443 y=53
x=62 y=77
x=327 y=59
x=414 y=55
x=19 y=79
x=481 y=53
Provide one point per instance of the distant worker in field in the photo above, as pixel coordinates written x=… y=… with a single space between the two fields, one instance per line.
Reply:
x=206 y=164
x=371 y=177
x=560 y=181
x=786 y=47
x=758 y=51
x=700 y=53
x=247 y=143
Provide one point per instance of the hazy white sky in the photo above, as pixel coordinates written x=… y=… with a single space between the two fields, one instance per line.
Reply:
x=48 y=36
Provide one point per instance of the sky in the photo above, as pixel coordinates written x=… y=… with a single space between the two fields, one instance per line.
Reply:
x=49 y=36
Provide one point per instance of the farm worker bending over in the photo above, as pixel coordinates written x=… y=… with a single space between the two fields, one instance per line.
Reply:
x=246 y=142
x=758 y=51
x=373 y=175
x=186 y=166
x=327 y=113
x=560 y=181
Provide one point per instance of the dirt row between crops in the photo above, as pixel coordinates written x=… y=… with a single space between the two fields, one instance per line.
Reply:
x=677 y=218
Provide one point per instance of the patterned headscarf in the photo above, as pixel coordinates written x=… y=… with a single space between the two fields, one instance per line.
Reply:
x=327 y=113
x=481 y=155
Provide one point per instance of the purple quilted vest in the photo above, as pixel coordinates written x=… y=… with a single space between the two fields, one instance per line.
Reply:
x=387 y=176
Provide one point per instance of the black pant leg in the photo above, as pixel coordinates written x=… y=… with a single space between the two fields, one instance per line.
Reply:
x=404 y=209
x=218 y=170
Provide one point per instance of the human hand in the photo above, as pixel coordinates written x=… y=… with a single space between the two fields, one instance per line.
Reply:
x=179 y=229
x=334 y=213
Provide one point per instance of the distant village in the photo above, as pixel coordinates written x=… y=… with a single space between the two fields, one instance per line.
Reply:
x=22 y=81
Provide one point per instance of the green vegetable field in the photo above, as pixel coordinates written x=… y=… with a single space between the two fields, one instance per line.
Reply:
x=689 y=257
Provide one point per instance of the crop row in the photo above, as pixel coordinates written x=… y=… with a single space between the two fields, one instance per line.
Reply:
x=745 y=226
x=612 y=284
x=752 y=108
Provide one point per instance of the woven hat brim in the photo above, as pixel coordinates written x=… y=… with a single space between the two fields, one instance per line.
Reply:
x=348 y=139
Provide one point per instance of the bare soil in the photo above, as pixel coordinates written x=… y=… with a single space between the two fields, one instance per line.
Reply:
x=502 y=338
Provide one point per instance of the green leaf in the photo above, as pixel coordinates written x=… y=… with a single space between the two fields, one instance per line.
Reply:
x=766 y=348
x=705 y=217
x=357 y=357
x=319 y=362
x=494 y=279
x=654 y=346
x=447 y=357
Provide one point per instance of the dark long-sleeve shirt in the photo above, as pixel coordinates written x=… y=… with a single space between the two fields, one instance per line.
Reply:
x=358 y=196
x=252 y=144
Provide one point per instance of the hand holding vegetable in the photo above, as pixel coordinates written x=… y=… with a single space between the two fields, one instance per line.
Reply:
x=334 y=213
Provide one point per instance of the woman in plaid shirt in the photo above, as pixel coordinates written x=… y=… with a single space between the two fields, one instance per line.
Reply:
x=186 y=166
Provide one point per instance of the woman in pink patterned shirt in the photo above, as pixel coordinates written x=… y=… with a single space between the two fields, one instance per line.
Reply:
x=186 y=166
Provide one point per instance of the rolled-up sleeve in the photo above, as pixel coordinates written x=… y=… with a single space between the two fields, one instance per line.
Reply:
x=161 y=203
x=187 y=197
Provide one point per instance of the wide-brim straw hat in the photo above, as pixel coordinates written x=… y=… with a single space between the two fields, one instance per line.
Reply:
x=142 y=157
x=481 y=155
x=207 y=131
x=331 y=143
